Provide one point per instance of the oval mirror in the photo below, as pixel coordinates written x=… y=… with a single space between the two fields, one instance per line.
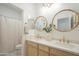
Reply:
x=40 y=23
x=65 y=20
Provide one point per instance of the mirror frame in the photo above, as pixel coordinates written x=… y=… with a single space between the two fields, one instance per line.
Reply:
x=41 y=17
x=62 y=11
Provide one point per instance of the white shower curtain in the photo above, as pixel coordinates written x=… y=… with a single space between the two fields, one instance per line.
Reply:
x=10 y=33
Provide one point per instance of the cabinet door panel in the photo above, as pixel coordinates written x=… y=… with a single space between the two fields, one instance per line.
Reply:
x=31 y=51
x=43 y=50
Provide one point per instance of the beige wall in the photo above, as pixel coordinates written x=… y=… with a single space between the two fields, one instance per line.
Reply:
x=29 y=9
x=39 y=10
x=50 y=12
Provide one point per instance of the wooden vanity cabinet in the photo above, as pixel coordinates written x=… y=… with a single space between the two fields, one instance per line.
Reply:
x=34 y=49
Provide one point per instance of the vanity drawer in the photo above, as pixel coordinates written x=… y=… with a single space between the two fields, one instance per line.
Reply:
x=57 y=52
x=44 y=48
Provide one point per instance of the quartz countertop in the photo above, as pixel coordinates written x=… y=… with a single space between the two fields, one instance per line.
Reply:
x=71 y=47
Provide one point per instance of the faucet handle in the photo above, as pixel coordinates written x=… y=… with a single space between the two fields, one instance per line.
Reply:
x=62 y=39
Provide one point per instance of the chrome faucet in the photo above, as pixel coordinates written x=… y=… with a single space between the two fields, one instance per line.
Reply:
x=63 y=40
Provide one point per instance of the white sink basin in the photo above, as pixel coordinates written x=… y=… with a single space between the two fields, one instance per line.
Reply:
x=57 y=43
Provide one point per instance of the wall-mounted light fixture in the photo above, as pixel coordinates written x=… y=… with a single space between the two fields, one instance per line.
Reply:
x=47 y=4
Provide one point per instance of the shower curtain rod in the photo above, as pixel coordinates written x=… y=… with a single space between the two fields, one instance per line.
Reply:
x=11 y=17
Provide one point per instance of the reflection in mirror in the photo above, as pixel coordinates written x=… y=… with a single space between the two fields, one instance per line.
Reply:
x=40 y=23
x=65 y=20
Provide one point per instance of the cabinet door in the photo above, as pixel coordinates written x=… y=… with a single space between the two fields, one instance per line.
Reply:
x=43 y=50
x=32 y=49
